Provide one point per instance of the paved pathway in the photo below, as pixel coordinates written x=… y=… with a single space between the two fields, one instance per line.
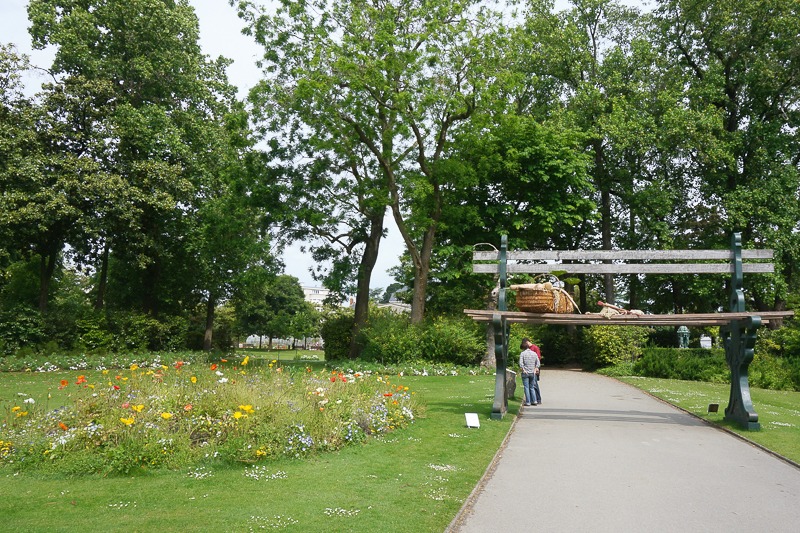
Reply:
x=601 y=456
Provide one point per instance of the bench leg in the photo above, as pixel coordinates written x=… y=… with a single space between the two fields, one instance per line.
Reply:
x=740 y=338
x=500 y=405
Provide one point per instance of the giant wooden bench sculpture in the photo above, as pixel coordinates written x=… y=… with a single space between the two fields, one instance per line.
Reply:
x=738 y=327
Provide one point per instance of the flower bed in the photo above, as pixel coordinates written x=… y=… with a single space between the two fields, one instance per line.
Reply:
x=184 y=414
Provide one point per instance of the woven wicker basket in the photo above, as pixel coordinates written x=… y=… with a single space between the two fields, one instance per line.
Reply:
x=542 y=298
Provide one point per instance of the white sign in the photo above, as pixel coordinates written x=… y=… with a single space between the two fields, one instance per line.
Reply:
x=472 y=420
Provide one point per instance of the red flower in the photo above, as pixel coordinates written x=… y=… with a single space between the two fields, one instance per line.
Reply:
x=81 y=379
x=178 y=365
x=116 y=387
x=214 y=366
x=333 y=380
x=63 y=426
x=64 y=383
x=388 y=394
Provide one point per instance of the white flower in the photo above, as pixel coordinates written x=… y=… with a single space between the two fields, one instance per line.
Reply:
x=28 y=400
x=219 y=373
x=223 y=380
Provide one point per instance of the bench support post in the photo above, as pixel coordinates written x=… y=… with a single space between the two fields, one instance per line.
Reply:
x=739 y=339
x=501 y=332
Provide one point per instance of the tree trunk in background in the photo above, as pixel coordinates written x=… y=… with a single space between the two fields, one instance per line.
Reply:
x=47 y=266
x=368 y=260
x=102 y=283
x=207 y=337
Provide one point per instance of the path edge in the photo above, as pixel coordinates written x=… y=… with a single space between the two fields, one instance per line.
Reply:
x=461 y=515
x=710 y=423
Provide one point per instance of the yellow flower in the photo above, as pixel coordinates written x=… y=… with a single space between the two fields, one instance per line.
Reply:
x=166 y=416
x=22 y=413
x=105 y=372
x=16 y=408
x=127 y=421
x=247 y=408
x=246 y=360
x=137 y=408
x=164 y=367
x=134 y=367
x=237 y=415
x=194 y=379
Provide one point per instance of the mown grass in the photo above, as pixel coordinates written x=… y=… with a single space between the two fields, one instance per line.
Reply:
x=778 y=411
x=413 y=480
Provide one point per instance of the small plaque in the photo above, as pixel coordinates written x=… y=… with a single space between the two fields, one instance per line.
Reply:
x=472 y=420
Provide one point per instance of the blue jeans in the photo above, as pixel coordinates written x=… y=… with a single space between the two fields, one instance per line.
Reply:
x=529 y=385
x=536 y=389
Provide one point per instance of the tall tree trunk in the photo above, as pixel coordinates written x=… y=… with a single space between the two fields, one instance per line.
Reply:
x=47 y=265
x=605 y=210
x=149 y=288
x=368 y=260
x=210 y=306
x=422 y=270
x=102 y=283
x=605 y=214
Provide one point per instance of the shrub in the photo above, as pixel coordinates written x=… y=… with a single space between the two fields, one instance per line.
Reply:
x=608 y=345
x=452 y=340
x=390 y=338
x=336 y=335
x=20 y=327
x=136 y=331
x=693 y=364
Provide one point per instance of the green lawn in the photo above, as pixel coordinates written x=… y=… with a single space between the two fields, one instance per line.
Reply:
x=778 y=411
x=414 y=480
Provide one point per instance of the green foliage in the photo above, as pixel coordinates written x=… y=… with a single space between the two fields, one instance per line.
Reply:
x=559 y=345
x=452 y=340
x=607 y=345
x=695 y=364
x=390 y=338
x=336 y=333
x=136 y=331
x=20 y=327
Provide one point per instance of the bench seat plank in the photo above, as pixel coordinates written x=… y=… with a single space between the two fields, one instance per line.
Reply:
x=687 y=319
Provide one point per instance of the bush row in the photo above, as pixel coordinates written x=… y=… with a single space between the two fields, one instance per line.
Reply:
x=24 y=331
x=766 y=371
x=389 y=339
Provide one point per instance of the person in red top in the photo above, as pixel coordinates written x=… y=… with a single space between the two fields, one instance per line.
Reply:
x=535 y=349
x=529 y=365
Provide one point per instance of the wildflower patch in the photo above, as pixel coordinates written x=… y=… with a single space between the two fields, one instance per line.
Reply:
x=159 y=416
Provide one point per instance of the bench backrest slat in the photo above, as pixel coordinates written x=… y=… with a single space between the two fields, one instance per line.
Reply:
x=622 y=268
x=622 y=255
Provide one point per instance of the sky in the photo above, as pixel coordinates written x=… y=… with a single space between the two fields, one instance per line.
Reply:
x=220 y=35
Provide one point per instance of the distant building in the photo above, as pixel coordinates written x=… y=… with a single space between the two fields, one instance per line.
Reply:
x=317 y=296
x=395 y=305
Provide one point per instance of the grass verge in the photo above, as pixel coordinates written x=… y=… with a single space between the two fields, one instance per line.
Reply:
x=412 y=480
x=778 y=411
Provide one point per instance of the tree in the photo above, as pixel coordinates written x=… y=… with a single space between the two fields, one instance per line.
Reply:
x=144 y=107
x=376 y=87
x=269 y=310
x=740 y=71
